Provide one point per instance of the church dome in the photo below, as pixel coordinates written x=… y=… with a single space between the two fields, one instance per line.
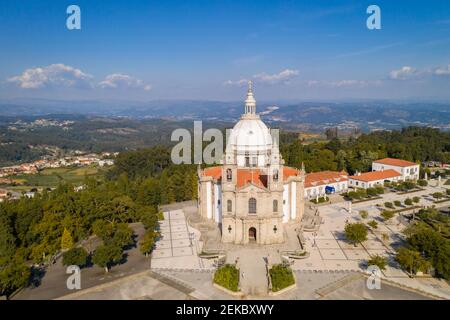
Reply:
x=250 y=134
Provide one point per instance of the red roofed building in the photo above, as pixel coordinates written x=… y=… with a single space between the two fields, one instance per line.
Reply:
x=374 y=178
x=252 y=195
x=408 y=170
x=318 y=184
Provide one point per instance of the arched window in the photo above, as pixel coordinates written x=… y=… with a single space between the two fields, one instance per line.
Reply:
x=275 y=205
x=252 y=206
x=275 y=175
x=229 y=175
x=229 y=206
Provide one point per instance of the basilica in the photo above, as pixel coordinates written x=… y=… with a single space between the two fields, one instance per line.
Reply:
x=251 y=194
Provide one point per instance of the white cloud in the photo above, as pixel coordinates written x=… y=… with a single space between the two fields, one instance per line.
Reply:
x=404 y=73
x=118 y=80
x=343 y=83
x=442 y=71
x=238 y=83
x=281 y=77
x=52 y=75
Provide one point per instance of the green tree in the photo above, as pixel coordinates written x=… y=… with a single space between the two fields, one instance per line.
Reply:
x=7 y=241
x=416 y=199
x=356 y=232
x=123 y=235
x=408 y=202
x=148 y=242
x=412 y=260
x=107 y=255
x=13 y=275
x=103 y=229
x=66 y=240
x=377 y=260
x=75 y=256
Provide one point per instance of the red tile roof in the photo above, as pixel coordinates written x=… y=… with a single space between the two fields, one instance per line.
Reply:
x=396 y=162
x=324 y=177
x=289 y=172
x=246 y=176
x=215 y=172
x=376 y=175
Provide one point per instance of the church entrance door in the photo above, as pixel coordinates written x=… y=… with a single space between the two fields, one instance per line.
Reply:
x=252 y=235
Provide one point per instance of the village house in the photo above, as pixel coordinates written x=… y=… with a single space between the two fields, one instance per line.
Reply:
x=407 y=169
x=317 y=184
x=374 y=178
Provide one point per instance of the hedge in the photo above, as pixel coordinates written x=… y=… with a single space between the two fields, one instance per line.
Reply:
x=227 y=277
x=281 y=277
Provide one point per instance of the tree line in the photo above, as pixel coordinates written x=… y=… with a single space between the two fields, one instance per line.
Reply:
x=415 y=144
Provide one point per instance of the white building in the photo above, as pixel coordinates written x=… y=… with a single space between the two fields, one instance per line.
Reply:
x=408 y=170
x=374 y=178
x=318 y=184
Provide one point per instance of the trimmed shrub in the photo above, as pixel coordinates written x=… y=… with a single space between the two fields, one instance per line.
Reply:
x=387 y=215
x=379 y=189
x=438 y=195
x=389 y=205
x=281 y=277
x=373 y=224
x=408 y=202
x=227 y=277
x=422 y=183
x=364 y=214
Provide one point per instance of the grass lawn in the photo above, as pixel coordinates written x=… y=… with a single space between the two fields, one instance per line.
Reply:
x=51 y=177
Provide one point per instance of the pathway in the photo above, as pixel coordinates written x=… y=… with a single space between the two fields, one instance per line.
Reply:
x=253 y=274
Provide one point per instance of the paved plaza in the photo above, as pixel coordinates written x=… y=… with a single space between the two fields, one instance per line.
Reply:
x=329 y=251
x=179 y=245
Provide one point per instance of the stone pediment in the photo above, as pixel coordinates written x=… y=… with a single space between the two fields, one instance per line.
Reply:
x=250 y=186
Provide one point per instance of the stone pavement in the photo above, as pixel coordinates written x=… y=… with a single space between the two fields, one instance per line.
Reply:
x=141 y=286
x=253 y=272
x=179 y=245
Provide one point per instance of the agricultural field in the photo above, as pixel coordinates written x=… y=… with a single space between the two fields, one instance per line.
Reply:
x=51 y=177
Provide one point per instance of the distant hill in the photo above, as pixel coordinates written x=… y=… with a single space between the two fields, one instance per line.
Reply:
x=311 y=116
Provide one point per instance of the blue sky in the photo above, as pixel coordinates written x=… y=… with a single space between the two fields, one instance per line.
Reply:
x=145 y=50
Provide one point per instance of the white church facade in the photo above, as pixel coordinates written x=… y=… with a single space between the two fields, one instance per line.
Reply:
x=251 y=194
